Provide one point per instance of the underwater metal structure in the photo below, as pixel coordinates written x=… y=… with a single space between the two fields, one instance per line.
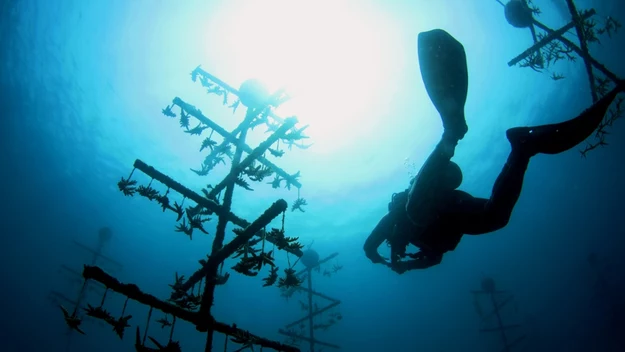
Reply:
x=551 y=46
x=60 y=298
x=311 y=261
x=184 y=303
x=497 y=301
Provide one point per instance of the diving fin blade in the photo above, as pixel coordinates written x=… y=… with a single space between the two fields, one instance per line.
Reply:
x=443 y=65
x=559 y=137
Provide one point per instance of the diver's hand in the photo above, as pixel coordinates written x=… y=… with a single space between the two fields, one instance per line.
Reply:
x=417 y=256
x=420 y=260
x=376 y=258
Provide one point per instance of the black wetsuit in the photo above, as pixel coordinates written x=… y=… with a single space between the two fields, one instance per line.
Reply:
x=433 y=215
x=453 y=214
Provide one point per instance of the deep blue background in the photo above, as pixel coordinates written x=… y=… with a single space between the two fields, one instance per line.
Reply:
x=79 y=101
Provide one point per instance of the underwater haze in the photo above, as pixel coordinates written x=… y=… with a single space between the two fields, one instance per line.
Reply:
x=83 y=85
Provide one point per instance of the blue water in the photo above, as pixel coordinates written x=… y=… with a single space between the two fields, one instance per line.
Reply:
x=82 y=88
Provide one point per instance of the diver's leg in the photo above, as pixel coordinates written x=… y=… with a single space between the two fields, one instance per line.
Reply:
x=476 y=216
x=427 y=185
x=506 y=191
x=527 y=142
x=548 y=139
x=560 y=137
x=443 y=66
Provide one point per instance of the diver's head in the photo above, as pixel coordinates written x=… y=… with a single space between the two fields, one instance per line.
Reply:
x=452 y=178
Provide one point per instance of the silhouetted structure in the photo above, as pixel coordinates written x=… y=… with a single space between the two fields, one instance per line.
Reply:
x=184 y=303
x=60 y=298
x=492 y=321
x=551 y=46
x=310 y=259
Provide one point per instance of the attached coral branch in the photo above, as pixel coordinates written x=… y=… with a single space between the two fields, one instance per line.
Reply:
x=230 y=248
x=583 y=38
x=231 y=138
x=546 y=40
x=134 y=292
x=253 y=155
x=202 y=201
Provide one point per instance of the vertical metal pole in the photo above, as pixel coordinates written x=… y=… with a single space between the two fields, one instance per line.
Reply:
x=209 y=288
x=500 y=323
x=310 y=311
x=209 y=341
x=81 y=294
x=579 y=28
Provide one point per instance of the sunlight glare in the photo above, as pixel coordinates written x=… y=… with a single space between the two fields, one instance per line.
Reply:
x=330 y=57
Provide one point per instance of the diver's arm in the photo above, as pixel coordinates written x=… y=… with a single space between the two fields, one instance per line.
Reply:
x=426 y=188
x=420 y=262
x=379 y=234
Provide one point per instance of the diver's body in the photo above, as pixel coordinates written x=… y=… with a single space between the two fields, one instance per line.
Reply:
x=432 y=214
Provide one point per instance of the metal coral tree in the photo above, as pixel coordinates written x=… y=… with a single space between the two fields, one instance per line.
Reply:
x=253 y=243
x=318 y=317
x=492 y=321
x=70 y=305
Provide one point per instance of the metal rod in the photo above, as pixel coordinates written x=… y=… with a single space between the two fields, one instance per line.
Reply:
x=499 y=306
x=208 y=347
x=327 y=259
x=233 y=139
x=236 y=170
x=232 y=90
x=596 y=64
x=187 y=193
x=500 y=323
x=133 y=292
x=208 y=296
x=232 y=330
x=314 y=313
x=271 y=213
x=80 y=296
x=296 y=336
x=318 y=294
x=173 y=325
x=579 y=23
x=147 y=325
x=202 y=201
x=216 y=258
x=547 y=39
x=57 y=296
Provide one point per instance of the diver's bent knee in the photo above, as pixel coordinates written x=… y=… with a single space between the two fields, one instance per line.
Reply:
x=369 y=248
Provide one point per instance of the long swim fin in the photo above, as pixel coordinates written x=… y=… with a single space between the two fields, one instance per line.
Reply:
x=443 y=65
x=559 y=137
